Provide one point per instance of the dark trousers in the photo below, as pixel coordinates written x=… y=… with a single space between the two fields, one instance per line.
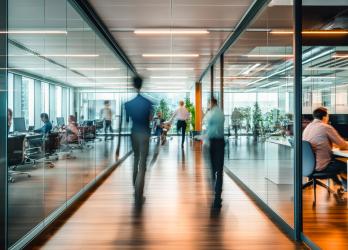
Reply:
x=337 y=166
x=108 y=126
x=182 y=125
x=140 y=145
x=217 y=152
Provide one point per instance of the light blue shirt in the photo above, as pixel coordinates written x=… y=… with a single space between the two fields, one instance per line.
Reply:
x=215 y=123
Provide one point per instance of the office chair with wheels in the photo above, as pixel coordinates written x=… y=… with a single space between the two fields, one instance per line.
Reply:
x=15 y=156
x=308 y=170
x=34 y=151
x=99 y=125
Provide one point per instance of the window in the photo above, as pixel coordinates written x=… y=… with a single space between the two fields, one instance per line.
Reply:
x=27 y=102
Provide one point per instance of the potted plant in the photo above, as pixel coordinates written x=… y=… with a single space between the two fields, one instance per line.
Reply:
x=257 y=118
x=191 y=124
x=290 y=116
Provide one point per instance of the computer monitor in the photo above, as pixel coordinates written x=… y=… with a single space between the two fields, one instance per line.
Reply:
x=19 y=124
x=60 y=121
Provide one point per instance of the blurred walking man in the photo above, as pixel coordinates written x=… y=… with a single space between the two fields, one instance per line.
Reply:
x=139 y=109
x=106 y=114
x=183 y=115
x=215 y=135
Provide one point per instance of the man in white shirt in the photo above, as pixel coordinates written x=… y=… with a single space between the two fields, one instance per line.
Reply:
x=183 y=115
x=106 y=114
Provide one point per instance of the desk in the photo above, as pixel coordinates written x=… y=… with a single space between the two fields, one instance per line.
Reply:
x=343 y=153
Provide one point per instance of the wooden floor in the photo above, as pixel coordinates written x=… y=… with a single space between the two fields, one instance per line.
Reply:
x=176 y=214
x=32 y=199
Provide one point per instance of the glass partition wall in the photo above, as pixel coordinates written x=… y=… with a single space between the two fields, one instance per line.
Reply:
x=258 y=100
x=62 y=83
x=324 y=84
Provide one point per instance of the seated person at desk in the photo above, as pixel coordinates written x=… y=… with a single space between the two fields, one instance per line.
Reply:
x=158 y=126
x=321 y=135
x=72 y=132
x=47 y=127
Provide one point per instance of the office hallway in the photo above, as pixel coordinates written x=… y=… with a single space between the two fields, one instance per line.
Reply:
x=176 y=214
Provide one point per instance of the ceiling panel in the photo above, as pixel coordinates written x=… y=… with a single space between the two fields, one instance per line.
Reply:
x=157 y=14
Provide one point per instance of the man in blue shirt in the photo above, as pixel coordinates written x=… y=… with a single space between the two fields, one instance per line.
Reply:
x=139 y=109
x=47 y=127
x=215 y=135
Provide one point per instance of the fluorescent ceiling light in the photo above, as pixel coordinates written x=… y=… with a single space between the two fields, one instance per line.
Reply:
x=340 y=56
x=171 y=32
x=167 y=83
x=33 y=32
x=240 y=77
x=169 y=77
x=250 y=90
x=268 y=55
x=105 y=83
x=268 y=84
x=170 y=69
x=250 y=69
x=170 y=55
x=117 y=87
x=312 y=32
x=169 y=87
x=279 y=72
x=70 y=55
x=94 y=68
x=245 y=68
x=93 y=77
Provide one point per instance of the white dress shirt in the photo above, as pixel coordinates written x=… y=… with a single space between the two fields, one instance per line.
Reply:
x=182 y=114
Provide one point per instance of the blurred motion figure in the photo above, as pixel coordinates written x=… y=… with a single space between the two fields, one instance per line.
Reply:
x=106 y=114
x=215 y=135
x=183 y=115
x=139 y=109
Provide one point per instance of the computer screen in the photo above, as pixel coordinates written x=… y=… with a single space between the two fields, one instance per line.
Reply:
x=19 y=124
x=60 y=121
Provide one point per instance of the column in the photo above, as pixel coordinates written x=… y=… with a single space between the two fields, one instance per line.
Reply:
x=3 y=126
x=222 y=82
x=198 y=106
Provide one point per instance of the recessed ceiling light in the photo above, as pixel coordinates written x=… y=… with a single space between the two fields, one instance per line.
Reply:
x=313 y=32
x=268 y=55
x=171 y=32
x=245 y=69
x=93 y=77
x=105 y=83
x=117 y=87
x=169 y=77
x=70 y=55
x=33 y=32
x=239 y=77
x=167 y=83
x=169 y=87
x=170 y=55
x=170 y=69
x=94 y=68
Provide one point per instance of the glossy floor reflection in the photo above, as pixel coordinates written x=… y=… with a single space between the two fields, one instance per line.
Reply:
x=32 y=199
x=176 y=213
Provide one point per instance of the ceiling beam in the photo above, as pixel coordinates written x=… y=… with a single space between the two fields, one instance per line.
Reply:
x=85 y=10
x=248 y=18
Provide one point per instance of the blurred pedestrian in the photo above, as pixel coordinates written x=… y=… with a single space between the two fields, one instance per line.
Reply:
x=215 y=135
x=183 y=115
x=106 y=115
x=139 y=109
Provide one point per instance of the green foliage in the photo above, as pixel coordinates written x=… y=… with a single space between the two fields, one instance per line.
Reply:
x=191 y=109
x=164 y=109
x=244 y=114
x=257 y=114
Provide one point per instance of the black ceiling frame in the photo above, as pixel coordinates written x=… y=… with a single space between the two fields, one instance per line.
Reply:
x=257 y=7
x=92 y=19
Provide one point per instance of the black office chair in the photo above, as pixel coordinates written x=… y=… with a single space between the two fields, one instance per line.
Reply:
x=308 y=170
x=15 y=156
x=99 y=125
